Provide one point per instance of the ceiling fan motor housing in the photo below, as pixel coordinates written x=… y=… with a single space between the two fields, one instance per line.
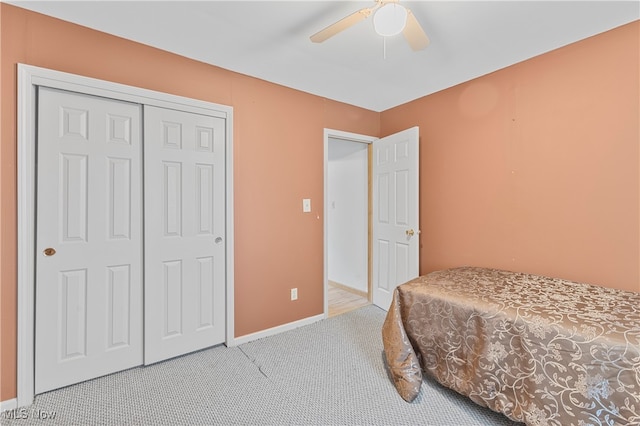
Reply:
x=390 y=19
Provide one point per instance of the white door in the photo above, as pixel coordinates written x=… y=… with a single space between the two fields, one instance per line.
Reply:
x=89 y=244
x=184 y=232
x=396 y=241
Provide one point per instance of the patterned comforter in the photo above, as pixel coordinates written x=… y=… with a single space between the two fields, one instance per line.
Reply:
x=540 y=350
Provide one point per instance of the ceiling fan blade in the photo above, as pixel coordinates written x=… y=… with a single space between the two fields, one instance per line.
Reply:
x=414 y=33
x=341 y=25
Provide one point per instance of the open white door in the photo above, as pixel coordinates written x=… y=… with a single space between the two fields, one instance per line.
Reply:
x=396 y=241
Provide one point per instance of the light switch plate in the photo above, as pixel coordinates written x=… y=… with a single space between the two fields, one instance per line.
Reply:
x=306 y=205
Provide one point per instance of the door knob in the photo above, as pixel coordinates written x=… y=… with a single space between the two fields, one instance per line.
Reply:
x=49 y=251
x=411 y=232
x=218 y=240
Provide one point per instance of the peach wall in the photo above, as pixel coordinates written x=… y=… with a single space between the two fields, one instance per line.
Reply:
x=278 y=160
x=535 y=167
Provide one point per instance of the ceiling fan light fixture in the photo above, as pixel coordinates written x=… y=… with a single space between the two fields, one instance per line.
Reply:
x=390 y=19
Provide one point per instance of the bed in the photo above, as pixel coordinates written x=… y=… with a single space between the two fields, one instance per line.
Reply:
x=543 y=351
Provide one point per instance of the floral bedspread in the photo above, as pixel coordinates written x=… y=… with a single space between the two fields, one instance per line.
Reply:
x=543 y=351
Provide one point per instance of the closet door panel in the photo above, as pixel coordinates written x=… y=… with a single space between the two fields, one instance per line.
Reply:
x=184 y=232
x=88 y=316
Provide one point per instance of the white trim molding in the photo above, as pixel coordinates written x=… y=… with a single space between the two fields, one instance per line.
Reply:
x=29 y=78
x=275 y=330
x=10 y=404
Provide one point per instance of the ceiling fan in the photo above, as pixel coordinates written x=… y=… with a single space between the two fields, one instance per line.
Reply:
x=389 y=18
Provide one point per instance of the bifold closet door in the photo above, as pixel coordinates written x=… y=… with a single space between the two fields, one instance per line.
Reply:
x=184 y=162
x=88 y=320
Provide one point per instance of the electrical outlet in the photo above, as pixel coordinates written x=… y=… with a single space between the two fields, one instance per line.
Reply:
x=294 y=294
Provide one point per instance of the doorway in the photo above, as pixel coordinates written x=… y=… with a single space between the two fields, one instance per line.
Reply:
x=347 y=257
x=393 y=235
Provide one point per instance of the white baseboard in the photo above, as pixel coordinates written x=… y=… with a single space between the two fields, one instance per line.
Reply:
x=274 y=330
x=9 y=404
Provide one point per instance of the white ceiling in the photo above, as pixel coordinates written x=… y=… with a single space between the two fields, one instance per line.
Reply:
x=270 y=39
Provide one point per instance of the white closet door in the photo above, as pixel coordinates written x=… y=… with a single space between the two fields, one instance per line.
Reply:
x=88 y=265
x=184 y=232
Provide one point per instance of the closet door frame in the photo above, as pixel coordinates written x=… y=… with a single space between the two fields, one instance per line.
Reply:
x=29 y=78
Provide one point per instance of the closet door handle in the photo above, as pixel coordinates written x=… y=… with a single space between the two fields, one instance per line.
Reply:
x=49 y=251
